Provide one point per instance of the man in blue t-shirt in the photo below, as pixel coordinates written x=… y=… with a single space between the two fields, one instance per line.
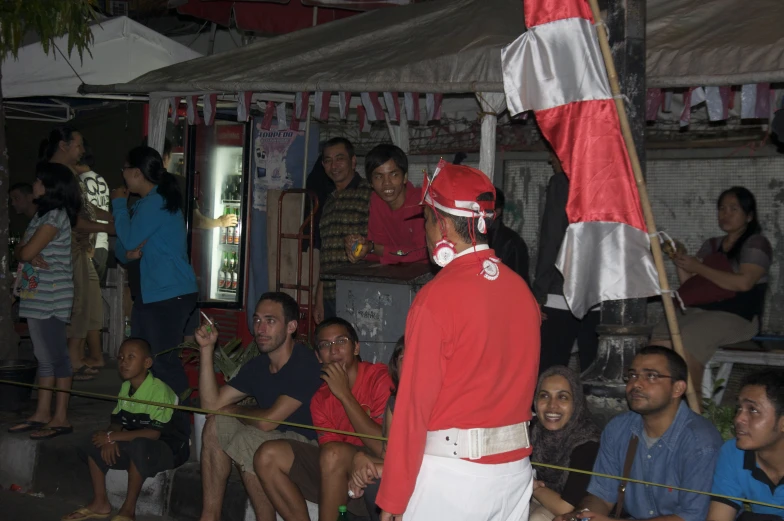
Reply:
x=752 y=465
x=282 y=379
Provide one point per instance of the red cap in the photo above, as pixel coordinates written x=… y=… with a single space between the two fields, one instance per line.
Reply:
x=453 y=189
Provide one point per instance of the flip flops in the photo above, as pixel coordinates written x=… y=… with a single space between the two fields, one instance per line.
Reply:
x=55 y=432
x=84 y=374
x=121 y=518
x=85 y=513
x=26 y=426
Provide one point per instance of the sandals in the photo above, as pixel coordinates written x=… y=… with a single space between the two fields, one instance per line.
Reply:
x=25 y=426
x=85 y=513
x=54 y=432
x=84 y=374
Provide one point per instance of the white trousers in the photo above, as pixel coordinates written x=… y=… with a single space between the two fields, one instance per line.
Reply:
x=456 y=489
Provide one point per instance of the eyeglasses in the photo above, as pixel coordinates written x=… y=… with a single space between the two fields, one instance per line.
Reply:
x=339 y=341
x=650 y=376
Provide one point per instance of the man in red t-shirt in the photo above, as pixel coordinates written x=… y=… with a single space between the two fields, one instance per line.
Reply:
x=458 y=448
x=352 y=399
x=396 y=226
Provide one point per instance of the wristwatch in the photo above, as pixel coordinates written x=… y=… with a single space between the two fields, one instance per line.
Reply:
x=372 y=247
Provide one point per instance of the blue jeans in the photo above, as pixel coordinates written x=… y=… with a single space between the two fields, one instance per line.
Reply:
x=50 y=345
x=162 y=325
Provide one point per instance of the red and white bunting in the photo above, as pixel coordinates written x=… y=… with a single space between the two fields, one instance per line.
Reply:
x=364 y=124
x=717 y=100
x=372 y=106
x=653 y=101
x=269 y=113
x=210 y=106
x=344 y=98
x=294 y=124
x=175 y=107
x=412 y=105
x=193 y=110
x=667 y=105
x=321 y=107
x=281 y=116
x=433 y=102
x=301 y=100
x=691 y=98
x=243 y=105
x=393 y=105
x=755 y=101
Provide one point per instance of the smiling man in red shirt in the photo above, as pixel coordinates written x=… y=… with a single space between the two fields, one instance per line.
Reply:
x=396 y=226
x=352 y=398
x=459 y=446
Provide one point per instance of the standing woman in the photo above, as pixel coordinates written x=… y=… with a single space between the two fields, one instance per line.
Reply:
x=65 y=146
x=46 y=291
x=156 y=233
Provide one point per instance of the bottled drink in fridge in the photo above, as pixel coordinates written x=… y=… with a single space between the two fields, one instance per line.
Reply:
x=234 y=277
x=236 y=231
x=224 y=233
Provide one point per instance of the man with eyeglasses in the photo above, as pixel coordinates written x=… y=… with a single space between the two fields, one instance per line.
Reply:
x=352 y=398
x=674 y=446
x=282 y=378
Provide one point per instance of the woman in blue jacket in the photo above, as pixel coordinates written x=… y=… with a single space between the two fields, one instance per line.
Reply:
x=154 y=231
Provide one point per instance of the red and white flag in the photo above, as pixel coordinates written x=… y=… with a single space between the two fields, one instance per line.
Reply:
x=269 y=113
x=192 y=103
x=344 y=99
x=433 y=102
x=175 y=106
x=393 y=105
x=653 y=102
x=755 y=101
x=718 y=101
x=210 y=106
x=364 y=124
x=412 y=105
x=372 y=106
x=243 y=105
x=281 y=116
x=301 y=100
x=556 y=70
x=322 y=105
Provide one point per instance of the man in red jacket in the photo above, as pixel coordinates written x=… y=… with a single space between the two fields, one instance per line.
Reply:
x=459 y=442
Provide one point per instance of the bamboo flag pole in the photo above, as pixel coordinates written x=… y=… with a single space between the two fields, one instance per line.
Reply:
x=669 y=307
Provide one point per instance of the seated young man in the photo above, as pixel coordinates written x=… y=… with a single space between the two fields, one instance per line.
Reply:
x=675 y=446
x=396 y=225
x=282 y=379
x=352 y=399
x=752 y=465
x=142 y=439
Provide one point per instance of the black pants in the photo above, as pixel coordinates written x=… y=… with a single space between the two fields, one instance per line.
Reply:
x=371 y=491
x=162 y=324
x=148 y=456
x=559 y=332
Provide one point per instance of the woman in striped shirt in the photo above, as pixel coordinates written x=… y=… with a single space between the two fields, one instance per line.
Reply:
x=46 y=291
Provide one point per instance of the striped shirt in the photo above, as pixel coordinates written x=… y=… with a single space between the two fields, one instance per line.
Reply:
x=345 y=213
x=47 y=293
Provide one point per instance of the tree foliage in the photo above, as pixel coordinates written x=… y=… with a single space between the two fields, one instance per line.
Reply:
x=49 y=19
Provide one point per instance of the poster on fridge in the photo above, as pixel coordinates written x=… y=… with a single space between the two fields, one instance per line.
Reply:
x=272 y=167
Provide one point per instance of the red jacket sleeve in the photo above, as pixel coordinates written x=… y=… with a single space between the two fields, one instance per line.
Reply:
x=421 y=378
x=375 y=229
x=321 y=418
x=382 y=389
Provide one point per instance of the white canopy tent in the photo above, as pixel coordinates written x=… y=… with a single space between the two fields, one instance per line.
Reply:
x=453 y=46
x=121 y=51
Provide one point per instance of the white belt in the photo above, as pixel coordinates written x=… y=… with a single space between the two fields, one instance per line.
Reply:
x=477 y=443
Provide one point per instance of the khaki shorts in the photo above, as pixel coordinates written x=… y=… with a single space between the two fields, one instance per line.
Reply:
x=241 y=441
x=306 y=474
x=704 y=332
x=87 y=312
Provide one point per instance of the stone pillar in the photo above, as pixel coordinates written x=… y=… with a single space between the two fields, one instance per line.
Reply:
x=623 y=329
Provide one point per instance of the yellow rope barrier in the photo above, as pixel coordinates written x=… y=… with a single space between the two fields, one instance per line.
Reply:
x=198 y=410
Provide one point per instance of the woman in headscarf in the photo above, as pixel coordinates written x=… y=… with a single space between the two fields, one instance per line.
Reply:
x=563 y=434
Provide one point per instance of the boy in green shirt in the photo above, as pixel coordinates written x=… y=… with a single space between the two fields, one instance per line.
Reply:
x=142 y=439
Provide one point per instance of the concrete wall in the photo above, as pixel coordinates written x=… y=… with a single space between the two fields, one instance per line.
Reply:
x=683 y=187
